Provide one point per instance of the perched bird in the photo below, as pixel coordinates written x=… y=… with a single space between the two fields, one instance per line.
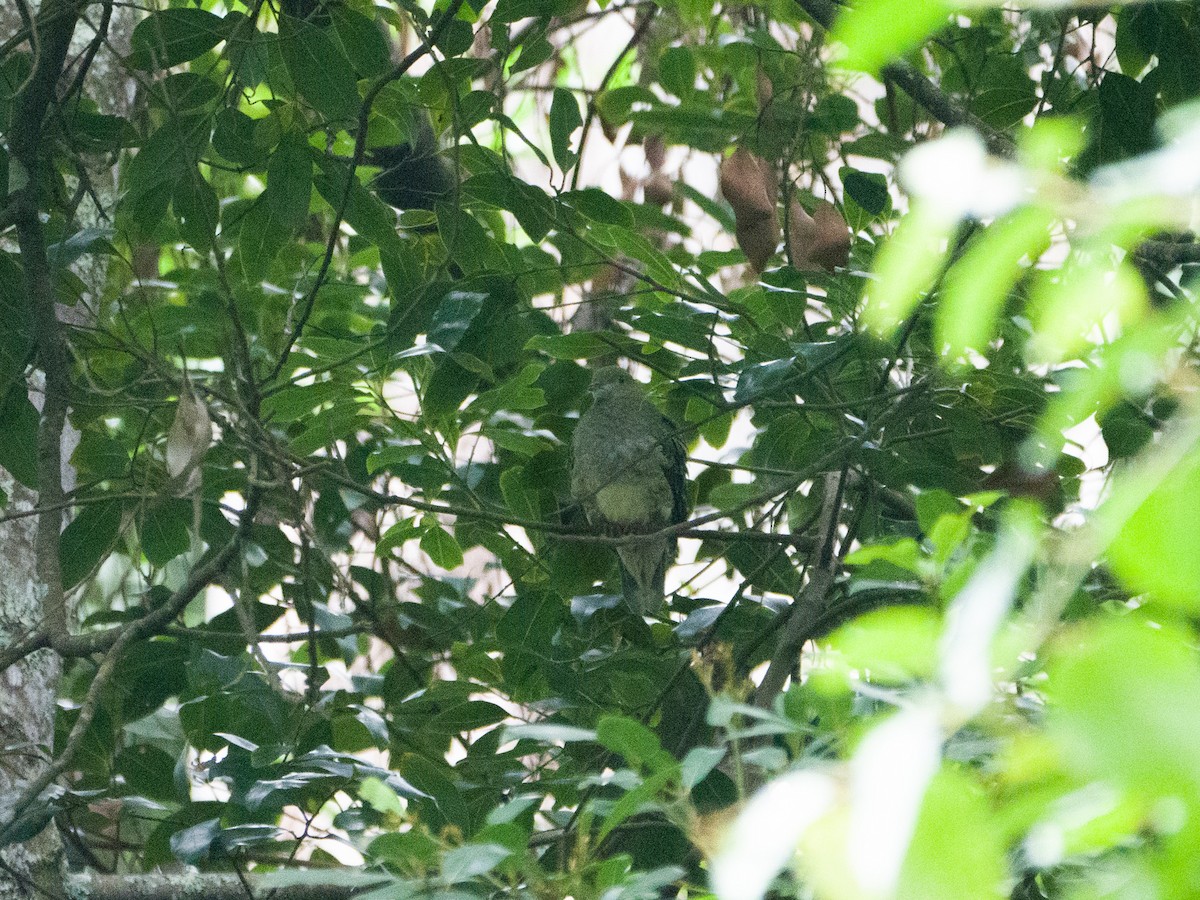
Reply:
x=629 y=475
x=414 y=174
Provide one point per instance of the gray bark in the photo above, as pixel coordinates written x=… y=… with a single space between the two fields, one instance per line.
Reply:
x=29 y=688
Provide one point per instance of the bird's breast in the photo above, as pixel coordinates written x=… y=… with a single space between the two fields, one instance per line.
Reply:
x=625 y=503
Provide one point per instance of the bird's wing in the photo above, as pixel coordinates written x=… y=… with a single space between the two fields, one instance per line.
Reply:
x=676 y=471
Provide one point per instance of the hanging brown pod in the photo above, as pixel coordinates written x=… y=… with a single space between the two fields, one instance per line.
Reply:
x=831 y=248
x=802 y=234
x=658 y=189
x=748 y=182
x=655 y=150
x=817 y=241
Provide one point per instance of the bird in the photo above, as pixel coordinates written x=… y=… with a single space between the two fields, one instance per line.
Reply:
x=629 y=475
x=413 y=175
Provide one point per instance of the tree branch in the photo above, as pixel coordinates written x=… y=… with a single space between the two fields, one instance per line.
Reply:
x=199 y=886
x=54 y=27
x=810 y=604
x=1166 y=255
x=942 y=107
x=115 y=641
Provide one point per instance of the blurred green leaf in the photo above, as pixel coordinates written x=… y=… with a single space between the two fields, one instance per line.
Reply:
x=877 y=31
x=906 y=268
x=980 y=282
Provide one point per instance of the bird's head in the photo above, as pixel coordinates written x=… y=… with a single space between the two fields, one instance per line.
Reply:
x=609 y=381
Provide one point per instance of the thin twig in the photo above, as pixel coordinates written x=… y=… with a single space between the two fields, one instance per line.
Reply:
x=308 y=302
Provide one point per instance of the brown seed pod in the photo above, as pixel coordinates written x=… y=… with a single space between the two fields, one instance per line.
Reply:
x=757 y=238
x=655 y=150
x=819 y=241
x=658 y=189
x=748 y=183
x=831 y=247
x=765 y=89
x=802 y=234
x=188 y=442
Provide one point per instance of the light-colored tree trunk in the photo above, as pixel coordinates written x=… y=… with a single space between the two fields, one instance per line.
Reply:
x=29 y=688
x=27 y=697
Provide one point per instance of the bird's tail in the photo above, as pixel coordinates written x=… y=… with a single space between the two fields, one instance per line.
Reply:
x=643 y=575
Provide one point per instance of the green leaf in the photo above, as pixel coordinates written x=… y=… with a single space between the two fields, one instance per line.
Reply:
x=166 y=531
x=441 y=547
x=904 y=553
x=632 y=802
x=170 y=153
x=548 y=732
x=190 y=845
x=466 y=241
x=1132 y=723
x=365 y=213
x=978 y=284
x=531 y=622
x=467 y=716
x=472 y=860
x=677 y=71
x=533 y=210
x=1007 y=93
x=16 y=338
x=366 y=47
x=877 y=31
x=698 y=763
x=18 y=437
x=395 y=536
x=906 y=267
x=898 y=645
x=1127 y=112
x=260 y=238
x=599 y=207
x=1087 y=294
x=564 y=120
x=868 y=189
x=973 y=840
x=169 y=37
x=456 y=38
x=445 y=803
x=289 y=182
x=195 y=205
x=635 y=742
x=1155 y=550
x=517 y=495
x=576 y=345
x=454 y=316
x=234 y=137
x=319 y=69
x=88 y=539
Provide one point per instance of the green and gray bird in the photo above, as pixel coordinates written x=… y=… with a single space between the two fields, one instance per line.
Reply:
x=629 y=475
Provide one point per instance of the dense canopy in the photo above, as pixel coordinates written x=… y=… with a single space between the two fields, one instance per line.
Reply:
x=301 y=304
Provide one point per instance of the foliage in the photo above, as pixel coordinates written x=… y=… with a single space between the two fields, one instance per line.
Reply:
x=963 y=470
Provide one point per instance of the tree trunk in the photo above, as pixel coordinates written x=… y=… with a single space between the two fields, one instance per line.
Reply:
x=29 y=688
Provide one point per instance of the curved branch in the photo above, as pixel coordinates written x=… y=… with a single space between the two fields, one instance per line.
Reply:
x=810 y=603
x=920 y=88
